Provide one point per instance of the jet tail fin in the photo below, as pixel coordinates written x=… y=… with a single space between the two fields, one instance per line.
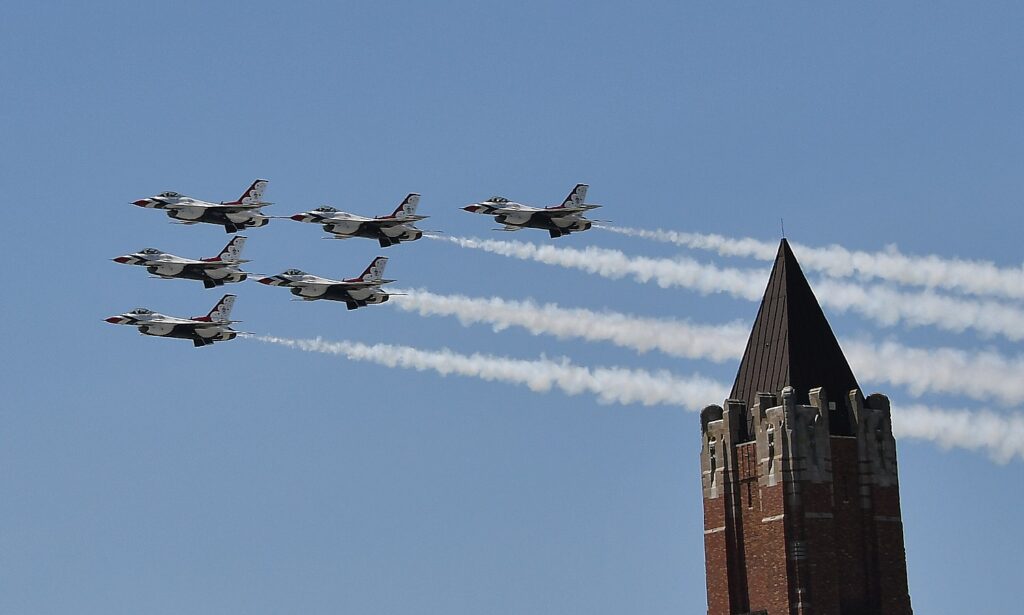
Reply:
x=408 y=206
x=232 y=251
x=375 y=272
x=222 y=311
x=576 y=197
x=253 y=195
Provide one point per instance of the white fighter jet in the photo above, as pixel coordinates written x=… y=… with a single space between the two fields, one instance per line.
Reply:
x=557 y=220
x=232 y=215
x=202 y=330
x=217 y=271
x=387 y=230
x=355 y=292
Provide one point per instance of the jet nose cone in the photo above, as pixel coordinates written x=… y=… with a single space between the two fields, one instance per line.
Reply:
x=141 y=202
x=299 y=217
x=471 y=208
x=114 y=320
x=122 y=259
x=267 y=281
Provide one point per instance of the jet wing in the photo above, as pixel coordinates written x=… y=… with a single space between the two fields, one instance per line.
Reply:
x=239 y=207
x=388 y=222
x=359 y=284
x=167 y=320
x=314 y=281
x=164 y=259
x=316 y=289
x=381 y=223
x=313 y=288
x=185 y=204
x=321 y=285
x=317 y=286
x=523 y=212
x=562 y=212
x=215 y=264
x=191 y=262
x=202 y=205
x=210 y=325
x=345 y=217
x=518 y=209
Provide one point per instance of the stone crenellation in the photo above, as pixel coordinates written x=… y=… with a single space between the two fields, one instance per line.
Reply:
x=798 y=520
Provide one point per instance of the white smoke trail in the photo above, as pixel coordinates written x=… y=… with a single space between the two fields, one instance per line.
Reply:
x=965 y=276
x=683 y=272
x=1000 y=436
x=981 y=375
x=672 y=337
x=883 y=305
x=609 y=384
x=890 y=307
x=724 y=246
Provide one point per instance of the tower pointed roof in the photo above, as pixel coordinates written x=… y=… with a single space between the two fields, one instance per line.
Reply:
x=792 y=344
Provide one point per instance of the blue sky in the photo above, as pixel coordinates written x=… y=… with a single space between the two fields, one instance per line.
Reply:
x=141 y=475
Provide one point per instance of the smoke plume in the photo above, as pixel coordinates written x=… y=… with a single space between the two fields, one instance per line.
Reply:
x=613 y=264
x=1000 y=436
x=884 y=305
x=609 y=384
x=982 y=375
x=673 y=337
x=964 y=276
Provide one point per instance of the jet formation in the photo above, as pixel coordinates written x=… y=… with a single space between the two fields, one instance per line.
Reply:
x=246 y=212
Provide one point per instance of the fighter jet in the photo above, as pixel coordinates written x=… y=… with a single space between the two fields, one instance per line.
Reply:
x=355 y=292
x=387 y=230
x=557 y=220
x=217 y=271
x=233 y=215
x=202 y=330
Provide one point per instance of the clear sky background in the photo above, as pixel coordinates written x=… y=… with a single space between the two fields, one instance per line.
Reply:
x=140 y=475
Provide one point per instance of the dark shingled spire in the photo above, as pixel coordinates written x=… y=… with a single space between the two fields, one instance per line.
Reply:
x=792 y=344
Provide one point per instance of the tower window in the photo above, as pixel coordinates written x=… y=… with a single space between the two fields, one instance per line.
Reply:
x=714 y=459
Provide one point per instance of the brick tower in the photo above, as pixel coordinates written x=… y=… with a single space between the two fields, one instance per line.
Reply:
x=801 y=496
